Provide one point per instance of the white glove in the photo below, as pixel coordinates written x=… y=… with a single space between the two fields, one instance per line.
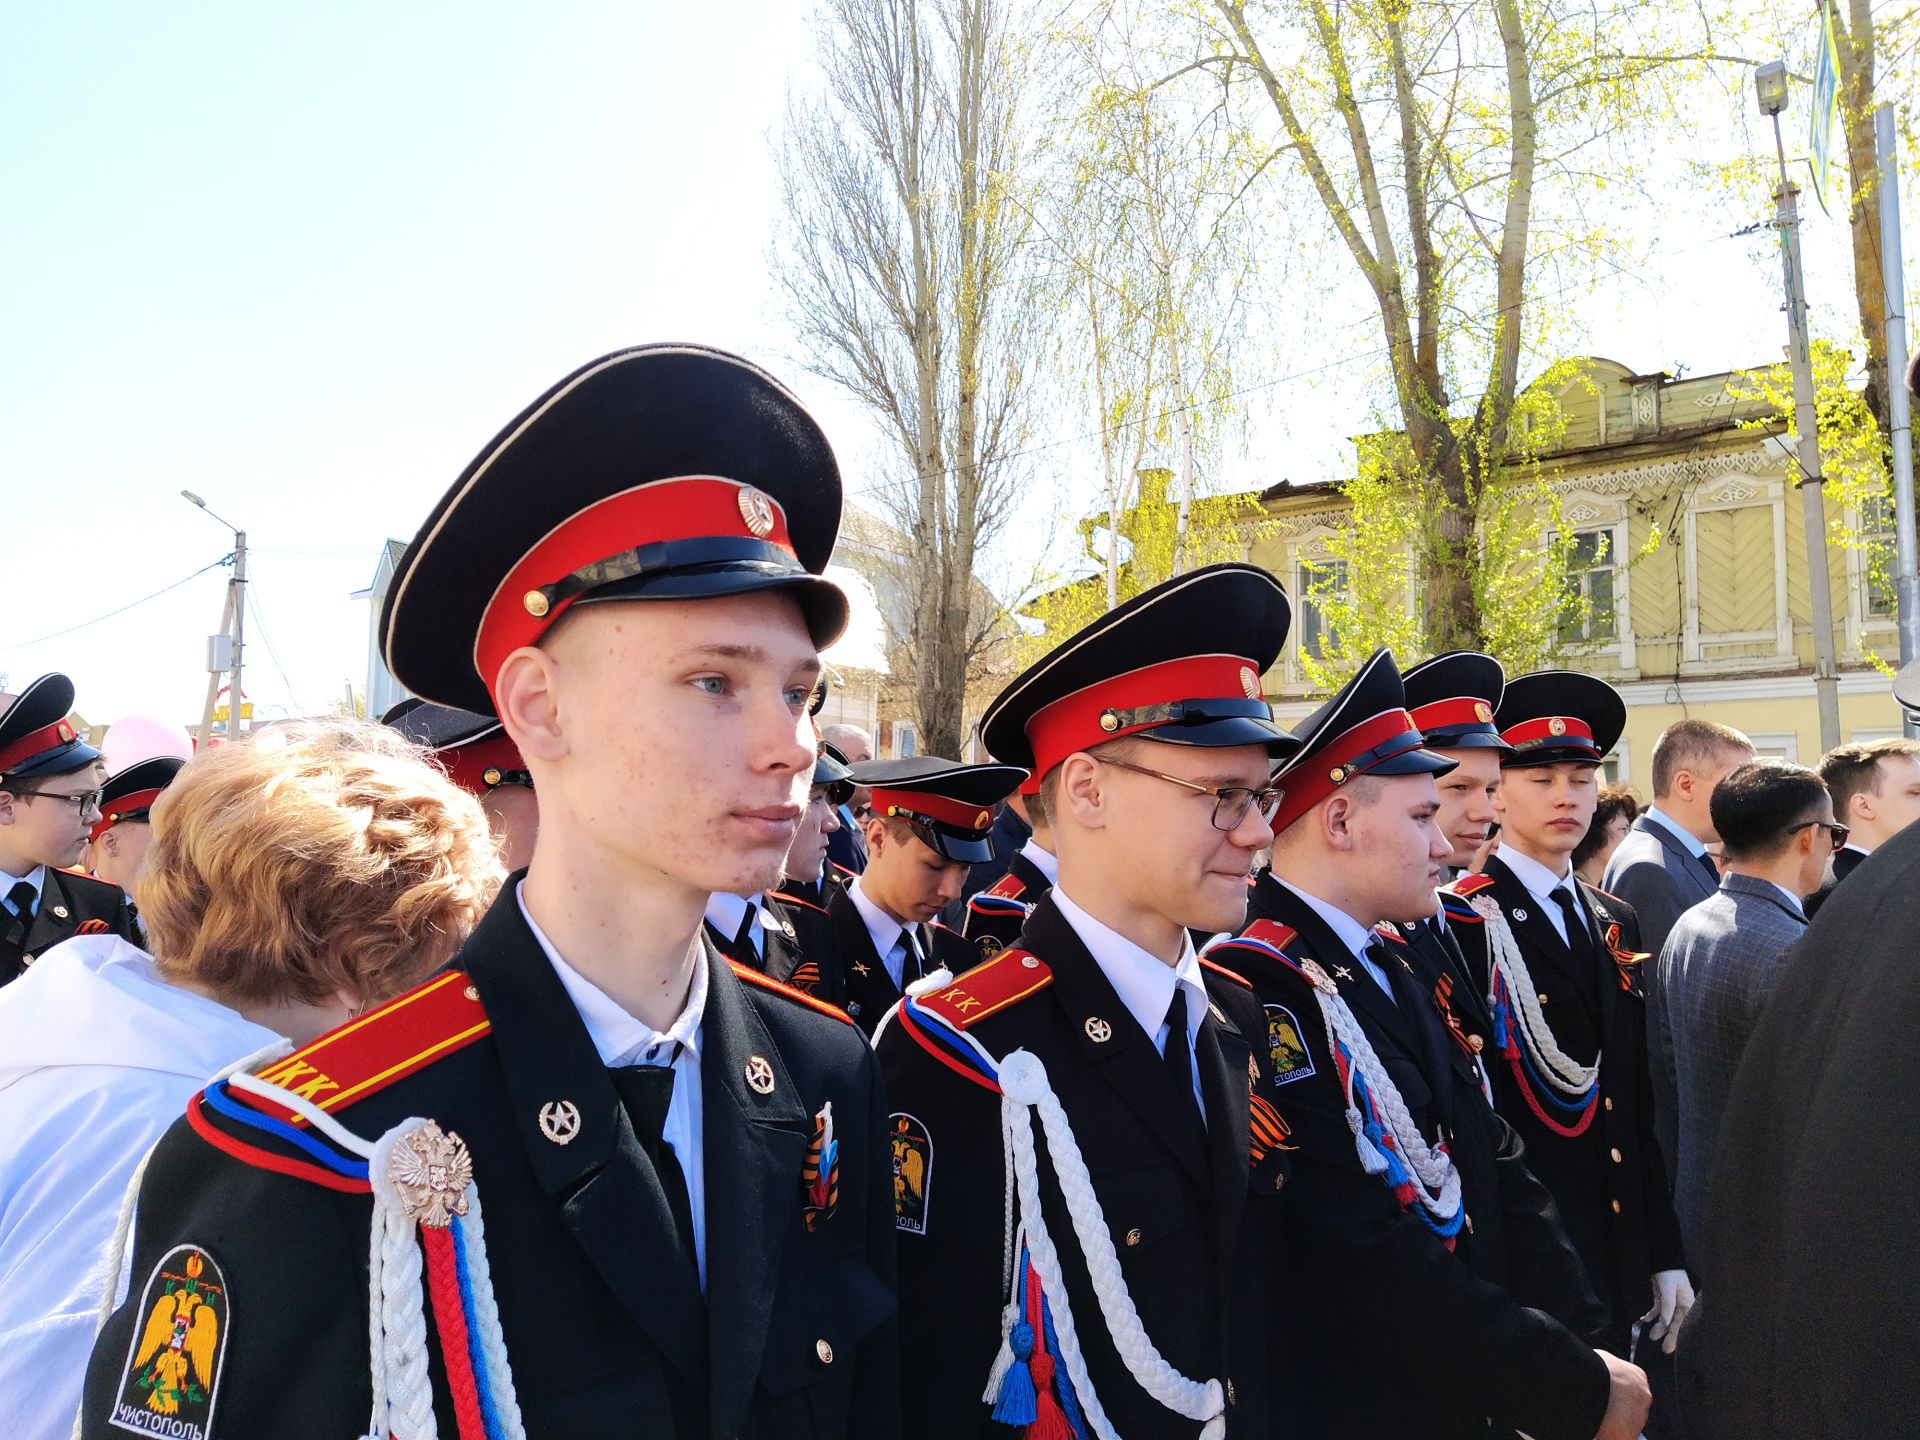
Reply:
x=1672 y=1299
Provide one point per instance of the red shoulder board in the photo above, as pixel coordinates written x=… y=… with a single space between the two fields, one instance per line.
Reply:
x=799 y=997
x=785 y=899
x=1603 y=894
x=1224 y=973
x=365 y=1056
x=1390 y=932
x=988 y=988
x=1008 y=887
x=1272 y=932
x=1470 y=884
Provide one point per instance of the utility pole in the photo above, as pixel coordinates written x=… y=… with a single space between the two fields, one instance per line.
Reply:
x=1770 y=81
x=1893 y=278
x=225 y=649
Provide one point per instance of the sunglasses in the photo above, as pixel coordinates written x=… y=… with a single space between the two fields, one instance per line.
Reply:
x=1838 y=833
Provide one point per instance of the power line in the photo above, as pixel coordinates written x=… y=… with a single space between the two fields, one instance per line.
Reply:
x=253 y=605
x=72 y=629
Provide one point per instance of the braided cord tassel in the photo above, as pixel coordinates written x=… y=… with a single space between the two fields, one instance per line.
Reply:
x=497 y=1396
x=1541 y=1070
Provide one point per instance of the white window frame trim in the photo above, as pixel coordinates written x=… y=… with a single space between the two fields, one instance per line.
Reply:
x=1736 y=492
x=1581 y=513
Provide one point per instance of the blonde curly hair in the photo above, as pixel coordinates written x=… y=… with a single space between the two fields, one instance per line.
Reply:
x=310 y=859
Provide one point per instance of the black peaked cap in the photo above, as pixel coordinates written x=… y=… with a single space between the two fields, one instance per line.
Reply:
x=1533 y=704
x=43 y=706
x=1453 y=698
x=949 y=805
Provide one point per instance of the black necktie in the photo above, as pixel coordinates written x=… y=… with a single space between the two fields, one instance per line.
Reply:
x=1713 y=870
x=1383 y=957
x=743 y=938
x=1178 y=1056
x=1579 y=937
x=913 y=963
x=21 y=898
x=645 y=1092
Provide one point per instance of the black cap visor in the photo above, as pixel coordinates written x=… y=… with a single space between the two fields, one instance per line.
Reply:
x=1550 y=755
x=947 y=845
x=61 y=760
x=823 y=605
x=1218 y=724
x=1476 y=738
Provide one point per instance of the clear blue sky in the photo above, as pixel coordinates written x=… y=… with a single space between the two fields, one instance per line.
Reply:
x=305 y=260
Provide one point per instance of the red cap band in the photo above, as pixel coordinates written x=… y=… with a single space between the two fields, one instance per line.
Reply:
x=1551 y=730
x=696 y=508
x=120 y=809
x=1074 y=722
x=959 y=815
x=38 y=742
x=468 y=765
x=1453 y=714
x=1333 y=764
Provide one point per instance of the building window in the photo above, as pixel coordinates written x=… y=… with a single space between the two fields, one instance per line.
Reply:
x=1590 y=568
x=904 y=741
x=1876 y=557
x=1317 y=580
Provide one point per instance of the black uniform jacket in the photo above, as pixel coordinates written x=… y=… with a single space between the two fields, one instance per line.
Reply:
x=1390 y=1333
x=1174 y=1201
x=1807 y=1318
x=1845 y=862
x=606 y=1328
x=1610 y=1182
x=784 y=932
x=70 y=905
x=860 y=984
x=995 y=915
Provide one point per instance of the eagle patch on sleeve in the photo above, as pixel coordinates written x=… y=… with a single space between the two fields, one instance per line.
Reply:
x=172 y=1373
x=1287 y=1046
x=912 y=1172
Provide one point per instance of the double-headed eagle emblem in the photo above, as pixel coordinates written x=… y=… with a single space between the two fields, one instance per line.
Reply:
x=181 y=1340
x=431 y=1169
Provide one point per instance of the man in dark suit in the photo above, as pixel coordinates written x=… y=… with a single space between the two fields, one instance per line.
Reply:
x=1723 y=957
x=1876 y=794
x=929 y=822
x=49 y=794
x=1560 y=965
x=1469 y=1324
x=684 y=1166
x=1153 y=747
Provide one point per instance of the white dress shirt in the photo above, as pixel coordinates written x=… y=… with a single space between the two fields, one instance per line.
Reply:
x=725 y=912
x=1351 y=933
x=887 y=934
x=36 y=877
x=621 y=1039
x=1144 y=982
x=1540 y=883
x=1042 y=860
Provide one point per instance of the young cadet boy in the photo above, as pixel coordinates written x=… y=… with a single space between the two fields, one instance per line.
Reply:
x=481 y=758
x=929 y=822
x=687 y=1222
x=118 y=840
x=994 y=915
x=49 y=794
x=1134 y=1139
x=1424 y=1267
x=1558 y=963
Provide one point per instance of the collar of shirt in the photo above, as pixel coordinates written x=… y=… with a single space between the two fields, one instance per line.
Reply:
x=1794 y=902
x=621 y=1038
x=882 y=928
x=1540 y=882
x=1144 y=982
x=36 y=877
x=725 y=912
x=1352 y=934
x=1677 y=830
x=1042 y=861
x=1439 y=912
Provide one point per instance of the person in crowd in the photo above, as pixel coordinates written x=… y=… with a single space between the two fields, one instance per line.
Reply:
x=1560 y=966
x=1393 y=1142
x=992 y=918
x=1723 y=956
x=292 y=880
x=1613 y=816
x=1011 y=829
x=119 y=840
x=1875 y=787
x=928 y=823
x=49 y=795
x=684 y=1167
x=847 y=847
x=481 y=758
x=1135 y=1293
x=1662 y=865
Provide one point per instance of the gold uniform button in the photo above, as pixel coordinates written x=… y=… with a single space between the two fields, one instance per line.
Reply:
x=1476 y=1044
x=1616 y=1207
x=1543 y=999
x=1133 y=1236
x=824 y=1351
x=1616 y=1155
x=1230 y=1399
x=1608 y=1102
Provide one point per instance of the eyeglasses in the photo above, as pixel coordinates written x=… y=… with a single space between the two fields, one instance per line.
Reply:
x=1838 y=833
x=84 y=801
x=1230 y=802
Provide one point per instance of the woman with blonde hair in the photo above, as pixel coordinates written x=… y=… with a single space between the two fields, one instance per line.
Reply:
x=296 y=879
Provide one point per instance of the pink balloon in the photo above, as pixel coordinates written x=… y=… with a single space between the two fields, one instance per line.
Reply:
x=143 y=737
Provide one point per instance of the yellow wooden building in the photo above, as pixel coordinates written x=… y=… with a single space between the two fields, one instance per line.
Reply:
x=1715 y=623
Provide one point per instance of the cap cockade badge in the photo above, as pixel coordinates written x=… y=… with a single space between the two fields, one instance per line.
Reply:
x=757 y=510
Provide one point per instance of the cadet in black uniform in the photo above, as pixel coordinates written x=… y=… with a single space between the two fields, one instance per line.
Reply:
x=117 y=842
x=688 y=1226
x=49 y=793
x=1427 y=1288
x=1559 y=965
x=1154 y=746
x=994 y=915
x=929 y=822
x=481 y=758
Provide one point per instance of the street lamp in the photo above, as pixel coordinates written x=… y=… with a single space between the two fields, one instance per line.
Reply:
x=224 y=649
x=1770 y=88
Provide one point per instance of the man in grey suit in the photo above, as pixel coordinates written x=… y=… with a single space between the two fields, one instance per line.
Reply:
x=1662 y=868
x=1721 y=960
